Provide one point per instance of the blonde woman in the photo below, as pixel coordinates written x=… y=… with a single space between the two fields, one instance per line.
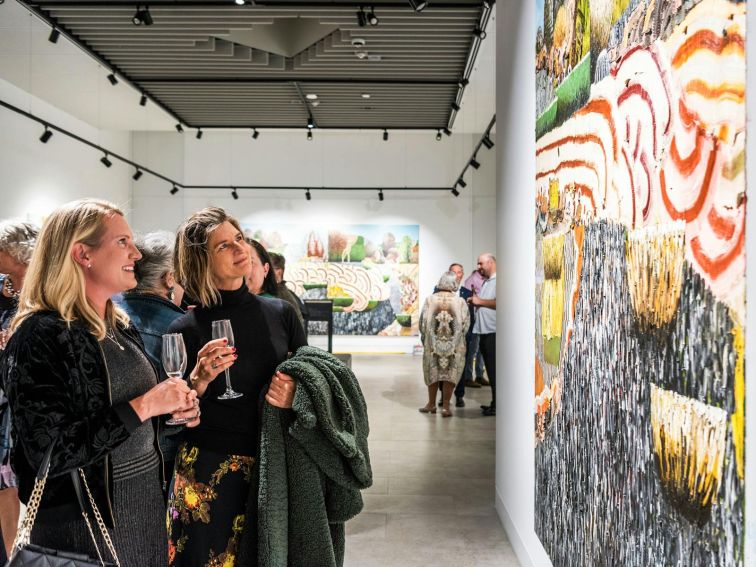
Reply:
x=213 y=472
x=78 y=379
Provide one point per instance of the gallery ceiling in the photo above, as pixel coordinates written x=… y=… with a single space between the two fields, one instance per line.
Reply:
x=281 y=63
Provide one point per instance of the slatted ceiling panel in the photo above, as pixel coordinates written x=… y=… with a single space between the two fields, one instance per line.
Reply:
x=242 y=85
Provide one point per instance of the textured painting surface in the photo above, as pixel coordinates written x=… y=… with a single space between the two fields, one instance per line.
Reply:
x=640 y=278
x=370 y=272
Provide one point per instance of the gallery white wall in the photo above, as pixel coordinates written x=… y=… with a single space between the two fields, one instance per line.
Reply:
x=452 y=228
x=37 y=177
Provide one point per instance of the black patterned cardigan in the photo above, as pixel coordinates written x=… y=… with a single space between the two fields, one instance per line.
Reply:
x=56 y=380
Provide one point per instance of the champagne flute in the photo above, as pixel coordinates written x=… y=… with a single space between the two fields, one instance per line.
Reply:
x=222 y=330
x=174 y=363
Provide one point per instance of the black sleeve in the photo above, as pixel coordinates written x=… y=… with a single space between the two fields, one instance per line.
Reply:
x=44 y=401
x=294 y=328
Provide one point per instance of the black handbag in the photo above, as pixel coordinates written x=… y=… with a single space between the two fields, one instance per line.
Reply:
x=25 y=554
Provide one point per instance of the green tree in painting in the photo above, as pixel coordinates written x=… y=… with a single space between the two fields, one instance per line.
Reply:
x=548 y=22
x=582 y=32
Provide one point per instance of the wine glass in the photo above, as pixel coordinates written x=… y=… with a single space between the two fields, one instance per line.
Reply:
x=222 y=330
x=174 y=363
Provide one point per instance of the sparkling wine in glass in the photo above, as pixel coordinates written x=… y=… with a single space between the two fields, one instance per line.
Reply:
x=174 y=364
x=222 y=330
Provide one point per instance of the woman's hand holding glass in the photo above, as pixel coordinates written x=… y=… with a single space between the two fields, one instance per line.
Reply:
x=212 y=359
x=171 y=396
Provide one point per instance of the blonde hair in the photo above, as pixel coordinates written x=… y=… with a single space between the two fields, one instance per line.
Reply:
x=192 y=260
x=54 y=281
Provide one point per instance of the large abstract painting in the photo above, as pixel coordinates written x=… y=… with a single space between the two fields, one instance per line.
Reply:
x=370 y=272
x=640 y=279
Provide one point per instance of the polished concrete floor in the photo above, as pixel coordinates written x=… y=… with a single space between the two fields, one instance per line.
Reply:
x=432 y=499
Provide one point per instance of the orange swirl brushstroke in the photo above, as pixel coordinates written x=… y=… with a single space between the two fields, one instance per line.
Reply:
x=723 y=227
x=588 y=192
x=570 y=163
x=580 y=139
x=602 y=107
x=647 y=170
x=638 y=90
x=710 y=41
x=689 y=163
x=726 y=91
x=632 y=183
x=718 y=264
x=692 y=212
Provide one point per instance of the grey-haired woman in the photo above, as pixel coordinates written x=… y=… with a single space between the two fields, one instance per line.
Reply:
x=17 y=240
x=444 y=320
x=152 y=306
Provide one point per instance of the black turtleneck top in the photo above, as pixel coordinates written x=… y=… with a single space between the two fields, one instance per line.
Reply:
x=266 y=330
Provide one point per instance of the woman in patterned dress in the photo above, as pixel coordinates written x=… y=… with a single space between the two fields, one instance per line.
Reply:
x=211 y=483
x=444 y=321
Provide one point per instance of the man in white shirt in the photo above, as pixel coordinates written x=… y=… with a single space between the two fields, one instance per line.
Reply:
x=485 y=322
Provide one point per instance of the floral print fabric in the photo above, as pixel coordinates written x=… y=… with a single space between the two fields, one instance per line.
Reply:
x=206 y=507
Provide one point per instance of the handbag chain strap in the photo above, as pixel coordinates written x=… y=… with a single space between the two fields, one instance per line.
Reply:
x=24 y=532
x=23 y=537
x=100 y=524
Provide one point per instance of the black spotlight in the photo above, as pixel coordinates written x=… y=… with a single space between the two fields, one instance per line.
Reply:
x=418 y=5
x=455 y=107
x=479 y=33
x=234 y=194
x=46 y=135
x=113 y=79
x=179 y=128
x=309 y=135
x=385 y=135
x=54 y=35
x=446 y=131
x=174 y=189
x=137 y=174
x=105 y=161
x=142 y=17
x=488 y=142
x=310 y=123
x=455 y=192
x=372 y=18
x=307 y=195
x=438 y=136
x=361 y=18
x=380 y=194
x=464 y=82
x=199 y=134
x=461 y=182
x=143 y=100
x=255 y=134
x=475 y=163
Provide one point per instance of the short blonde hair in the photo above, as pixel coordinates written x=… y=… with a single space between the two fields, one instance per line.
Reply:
x=192 y=255
x=54 y=281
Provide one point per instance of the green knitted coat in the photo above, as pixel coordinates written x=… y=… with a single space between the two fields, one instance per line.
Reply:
x=313 y=462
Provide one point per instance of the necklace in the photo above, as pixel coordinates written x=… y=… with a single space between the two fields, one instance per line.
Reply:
x=110 y=334
x=9 y=289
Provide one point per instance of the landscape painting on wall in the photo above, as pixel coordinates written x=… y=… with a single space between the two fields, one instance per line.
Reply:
x=371 y=272
x=640 y=281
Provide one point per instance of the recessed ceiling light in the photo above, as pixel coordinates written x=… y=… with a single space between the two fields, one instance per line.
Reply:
x=311 y=96
x=365 y=95
x=358 y=41
x=361 y=54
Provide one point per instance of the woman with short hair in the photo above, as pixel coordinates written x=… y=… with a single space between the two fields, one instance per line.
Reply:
x=80 y=385
x=261 y=279
x=444 y=320
x=211 y=484
x=17 y=241
x=152 y=306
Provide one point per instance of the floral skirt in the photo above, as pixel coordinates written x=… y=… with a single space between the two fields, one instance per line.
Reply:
x=206 y=507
